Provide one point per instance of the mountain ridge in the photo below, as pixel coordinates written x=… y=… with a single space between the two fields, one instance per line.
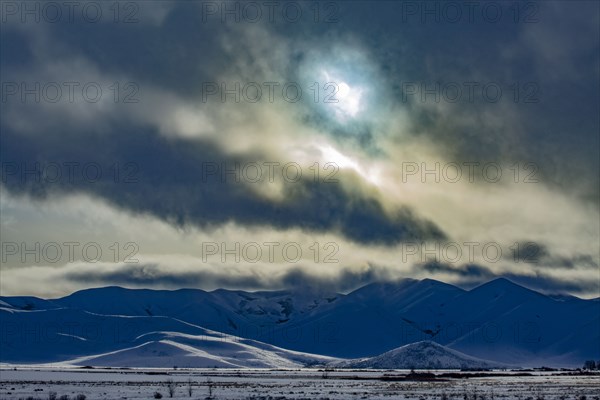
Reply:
x=499 y=320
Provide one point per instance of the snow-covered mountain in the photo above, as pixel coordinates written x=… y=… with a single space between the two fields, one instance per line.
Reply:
x=77 y=337
x=212 y=350
x=419 y=355
x=499 y=321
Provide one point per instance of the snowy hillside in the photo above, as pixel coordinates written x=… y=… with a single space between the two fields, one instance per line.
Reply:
x=170 y=349
x=499 y=321
x=75 y=337
x=420 y=355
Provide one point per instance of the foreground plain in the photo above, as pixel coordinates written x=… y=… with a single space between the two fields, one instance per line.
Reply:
x=28 y=382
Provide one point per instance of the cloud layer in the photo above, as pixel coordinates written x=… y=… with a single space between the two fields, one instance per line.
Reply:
x=409 y=130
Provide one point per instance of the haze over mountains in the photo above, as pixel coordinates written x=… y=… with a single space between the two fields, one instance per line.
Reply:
x=500 y=322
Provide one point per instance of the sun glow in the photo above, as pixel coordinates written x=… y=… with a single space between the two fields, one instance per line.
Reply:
x=343 y=99
x=348 y=99
x=330 y=154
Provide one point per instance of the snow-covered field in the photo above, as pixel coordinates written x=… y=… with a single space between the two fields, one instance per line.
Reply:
x=286 y=384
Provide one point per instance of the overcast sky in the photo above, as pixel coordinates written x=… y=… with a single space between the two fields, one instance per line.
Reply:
x=294 y=144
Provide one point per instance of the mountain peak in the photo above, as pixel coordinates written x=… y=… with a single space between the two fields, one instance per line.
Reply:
x=503 y=284
x=503 y=281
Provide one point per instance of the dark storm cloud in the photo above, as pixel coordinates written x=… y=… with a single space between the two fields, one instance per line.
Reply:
x=539 y=254
x=472 y=271
x=558 y=54
x=345 y=280
x=154 y=275
x=551 y=120
x=472 y=275
x=170 y=181
x=558 y=132
x=548 y=284
x=179 y=54
x=158 y=276
x=145 y=275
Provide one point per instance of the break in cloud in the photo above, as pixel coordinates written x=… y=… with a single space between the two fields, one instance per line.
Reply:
x=381 y=216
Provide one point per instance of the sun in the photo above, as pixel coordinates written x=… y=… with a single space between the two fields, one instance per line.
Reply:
x=345 y=101
x=349 y=99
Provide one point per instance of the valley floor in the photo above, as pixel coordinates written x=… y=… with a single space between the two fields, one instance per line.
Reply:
x=38 y=383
